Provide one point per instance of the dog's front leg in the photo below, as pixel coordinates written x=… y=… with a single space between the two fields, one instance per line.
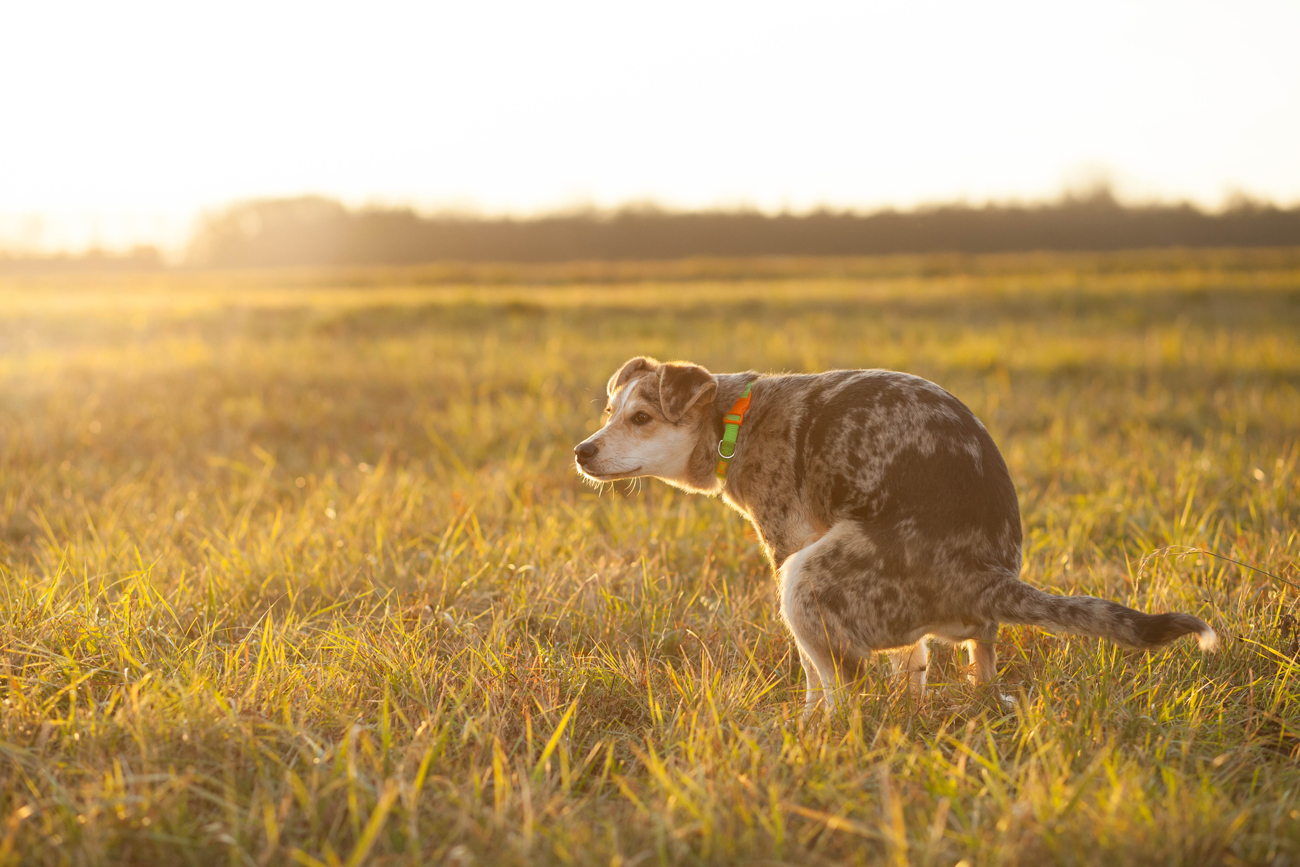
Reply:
x=810 y=630
x=812 y=683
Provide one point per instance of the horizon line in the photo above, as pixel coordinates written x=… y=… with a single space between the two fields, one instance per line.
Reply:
x=1101 y=190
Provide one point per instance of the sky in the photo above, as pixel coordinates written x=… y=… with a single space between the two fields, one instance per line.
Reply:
x=121 y=122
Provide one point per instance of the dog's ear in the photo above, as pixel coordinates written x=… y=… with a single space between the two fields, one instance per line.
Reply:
x=625 y=372
x=681 y=386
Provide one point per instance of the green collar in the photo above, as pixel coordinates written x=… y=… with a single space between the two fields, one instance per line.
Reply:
x=733 y=420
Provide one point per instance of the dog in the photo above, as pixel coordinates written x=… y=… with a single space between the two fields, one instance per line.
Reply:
x=881 y=501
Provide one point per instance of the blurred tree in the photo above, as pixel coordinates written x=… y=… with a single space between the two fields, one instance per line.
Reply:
x=315 y=231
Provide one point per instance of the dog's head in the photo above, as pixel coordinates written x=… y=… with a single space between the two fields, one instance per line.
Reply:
x=653 y=422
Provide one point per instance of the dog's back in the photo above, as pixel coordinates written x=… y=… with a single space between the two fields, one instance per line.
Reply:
x=912 y=517
x=896 y=455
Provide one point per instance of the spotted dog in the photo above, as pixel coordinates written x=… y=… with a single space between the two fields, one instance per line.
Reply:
x=881 y=502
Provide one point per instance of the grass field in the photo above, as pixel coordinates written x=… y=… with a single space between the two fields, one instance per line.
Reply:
x=294 y=567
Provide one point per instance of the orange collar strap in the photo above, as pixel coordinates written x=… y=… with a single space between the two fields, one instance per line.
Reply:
x=733 y=420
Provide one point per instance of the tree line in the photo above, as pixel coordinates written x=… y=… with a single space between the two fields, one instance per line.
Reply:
x=314 y=231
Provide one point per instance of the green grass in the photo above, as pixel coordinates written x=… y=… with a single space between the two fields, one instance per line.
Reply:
x=294 y=567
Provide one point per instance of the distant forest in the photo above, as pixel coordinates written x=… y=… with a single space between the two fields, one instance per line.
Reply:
x=319 y=232
x=316 y=231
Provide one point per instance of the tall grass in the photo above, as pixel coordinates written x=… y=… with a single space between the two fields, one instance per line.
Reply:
x=294 y=568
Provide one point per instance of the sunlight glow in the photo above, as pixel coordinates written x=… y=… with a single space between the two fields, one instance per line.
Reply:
x=122 y=120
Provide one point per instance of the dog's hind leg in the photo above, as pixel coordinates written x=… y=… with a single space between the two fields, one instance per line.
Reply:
x=914 y=660
x=983 y=650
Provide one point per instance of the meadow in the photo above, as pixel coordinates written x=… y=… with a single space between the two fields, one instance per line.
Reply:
x=295 y=568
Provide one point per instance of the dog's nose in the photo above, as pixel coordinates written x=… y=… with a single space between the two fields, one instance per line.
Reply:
x=585 y=451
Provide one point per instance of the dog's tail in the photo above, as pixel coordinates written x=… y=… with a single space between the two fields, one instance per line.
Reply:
x=1017 y=602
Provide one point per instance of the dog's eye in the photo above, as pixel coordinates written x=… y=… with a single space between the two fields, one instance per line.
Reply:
x=641 y=418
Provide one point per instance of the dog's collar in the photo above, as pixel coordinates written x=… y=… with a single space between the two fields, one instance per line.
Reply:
x=732 y=422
